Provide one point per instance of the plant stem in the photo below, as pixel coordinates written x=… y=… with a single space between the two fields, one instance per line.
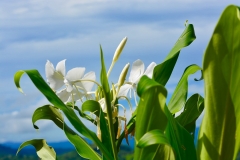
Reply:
x=110 y=124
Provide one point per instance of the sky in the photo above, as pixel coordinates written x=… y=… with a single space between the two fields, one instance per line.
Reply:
x=34 y=31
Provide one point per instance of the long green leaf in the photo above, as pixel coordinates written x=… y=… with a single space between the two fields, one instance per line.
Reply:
x=163 y=71
x=44 y=151
x=219 y=136
x=150 y=116
x=81 y=146
x=179 y=95
x=53 y=98
x=52 y=113
x=95 y=107
x=107 y=97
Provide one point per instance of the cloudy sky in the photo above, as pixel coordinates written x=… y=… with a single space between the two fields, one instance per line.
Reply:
x=34 y=31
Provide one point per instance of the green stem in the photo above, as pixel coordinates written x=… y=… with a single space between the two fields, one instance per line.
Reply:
x=110 y=124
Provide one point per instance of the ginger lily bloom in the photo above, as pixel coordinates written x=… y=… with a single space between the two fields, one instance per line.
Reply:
x=55 y=78
x=136 y=73
x=75 y=88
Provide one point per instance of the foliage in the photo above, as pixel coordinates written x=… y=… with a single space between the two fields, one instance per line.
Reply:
x=158 y=132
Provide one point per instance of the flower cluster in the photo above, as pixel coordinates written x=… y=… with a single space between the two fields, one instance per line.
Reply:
x=75 y=85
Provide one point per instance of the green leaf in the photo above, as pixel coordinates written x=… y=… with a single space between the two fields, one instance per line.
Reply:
x=150 y=116
x=219 y=135
x=70 y=114
x=181 y=141
x=95 y=107
x=163 y=71
x=81 y=146
x=145 y=84
x=44 y=151
x=179 y=95
x=52 y=113
x=192 y=110
x=152 y=137
x=107 y=97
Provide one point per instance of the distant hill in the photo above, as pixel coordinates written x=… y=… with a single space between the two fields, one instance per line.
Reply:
x=6 y=150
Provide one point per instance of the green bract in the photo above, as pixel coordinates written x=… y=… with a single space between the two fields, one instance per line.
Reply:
x=159 y=133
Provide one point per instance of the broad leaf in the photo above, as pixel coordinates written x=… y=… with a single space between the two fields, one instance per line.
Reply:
x=44 y=151
x=52 y=113
x=53 y=98
x=179 y=95
x=152 y=137
x=150 y=116
x=219 y=136
x=179 y=138
x=163 y=71
x=192 y=110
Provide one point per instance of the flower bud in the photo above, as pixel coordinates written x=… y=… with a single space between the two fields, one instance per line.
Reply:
x=119 y=49
x=123 y=75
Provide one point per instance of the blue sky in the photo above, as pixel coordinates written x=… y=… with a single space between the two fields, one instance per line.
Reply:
x=32 y=32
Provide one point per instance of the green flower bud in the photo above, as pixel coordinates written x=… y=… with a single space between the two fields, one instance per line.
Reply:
x=119 y=49
x=123 y=75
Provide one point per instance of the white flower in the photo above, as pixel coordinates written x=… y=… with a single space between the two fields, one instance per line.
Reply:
x=75 y=87
x=55 y=78
x=136 y=73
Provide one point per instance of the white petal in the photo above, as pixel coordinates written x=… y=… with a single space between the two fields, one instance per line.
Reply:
x=49 y=69
x=87 y=85
x=73 y=97
x=149 y=70
x=124 y=90
x=60 y=68
x=75 y=74
x=54 y=79
x=102 y=104
x=63 y=95
x=136 y=71
x=69 y=85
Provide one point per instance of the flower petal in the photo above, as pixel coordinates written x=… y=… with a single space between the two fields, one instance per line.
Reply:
x=86 y=84
x=75 y=74
x=102 y=104
x=55 y=79
x=136 y=71
x=64 y=95
x=149 y=70
x=60 y=68
x=124 y=90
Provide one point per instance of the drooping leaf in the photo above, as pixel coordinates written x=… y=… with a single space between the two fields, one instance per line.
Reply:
x=81 y=113
x=179 y=95
x=219 y=135
x=52 y=113
x=163 y=71
x=150 y=116
x=44 y=151
x=192 y=110
x=53 y=98
x=81 y=146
